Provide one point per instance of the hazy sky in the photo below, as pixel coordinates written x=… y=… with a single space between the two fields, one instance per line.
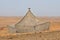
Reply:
x=38 y=7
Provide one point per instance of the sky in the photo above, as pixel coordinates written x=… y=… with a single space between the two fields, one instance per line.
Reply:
x=38 y=7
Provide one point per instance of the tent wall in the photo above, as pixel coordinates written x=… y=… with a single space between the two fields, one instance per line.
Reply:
x=42 y=27
x=26 y=29
x=37 y=28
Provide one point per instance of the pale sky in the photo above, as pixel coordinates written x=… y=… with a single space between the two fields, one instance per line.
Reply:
x=38 y=7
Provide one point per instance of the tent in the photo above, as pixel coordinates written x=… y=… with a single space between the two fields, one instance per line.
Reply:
x=31 y=23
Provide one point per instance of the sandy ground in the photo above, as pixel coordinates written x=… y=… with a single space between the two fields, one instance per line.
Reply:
x=34 y=36
x=54 y=26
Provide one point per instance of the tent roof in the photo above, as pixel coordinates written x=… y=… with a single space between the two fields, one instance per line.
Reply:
x=29 y=19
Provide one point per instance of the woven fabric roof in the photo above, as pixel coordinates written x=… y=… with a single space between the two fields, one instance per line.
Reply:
x=29 y=20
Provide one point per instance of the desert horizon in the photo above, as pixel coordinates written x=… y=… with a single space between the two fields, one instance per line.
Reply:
x=54 y=21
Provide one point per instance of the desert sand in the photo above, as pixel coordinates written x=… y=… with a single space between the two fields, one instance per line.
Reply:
x=54 y=22
x=53 y=30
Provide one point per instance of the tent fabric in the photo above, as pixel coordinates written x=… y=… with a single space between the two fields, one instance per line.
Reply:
x=28 y=23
